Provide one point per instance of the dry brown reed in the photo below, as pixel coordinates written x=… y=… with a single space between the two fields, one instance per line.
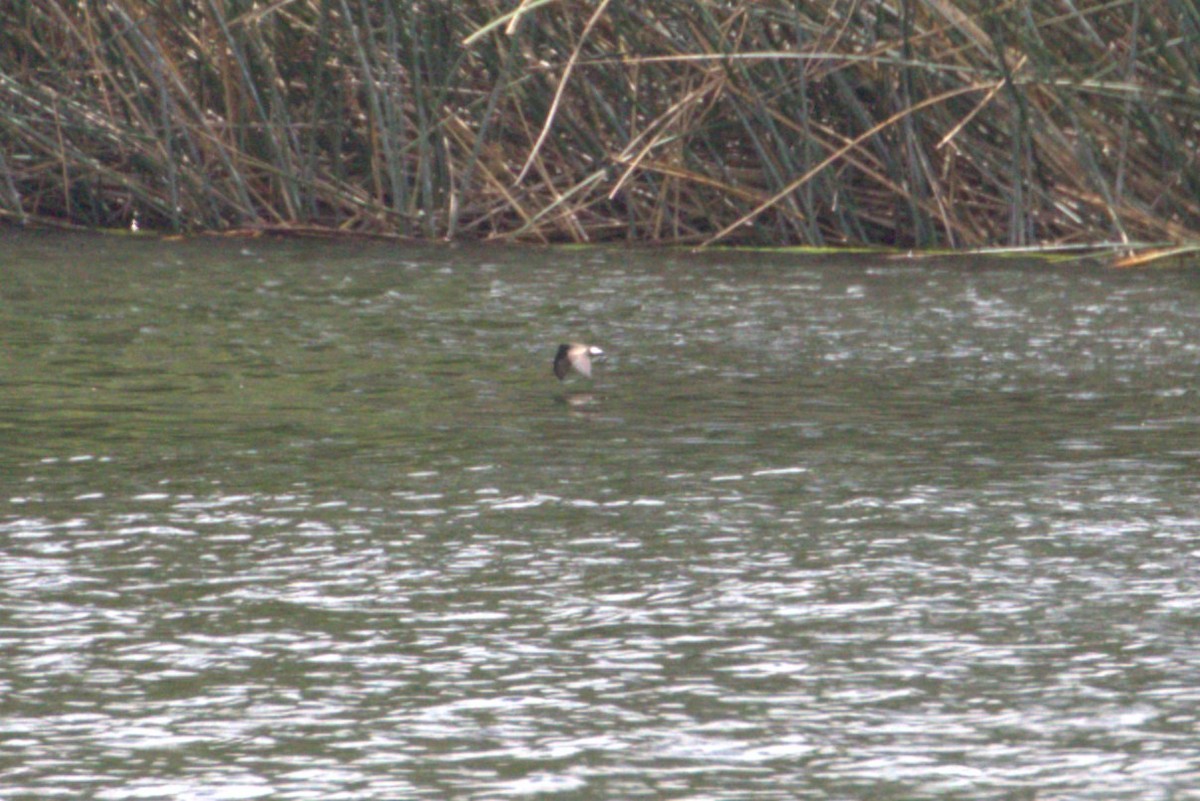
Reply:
x=914 y=123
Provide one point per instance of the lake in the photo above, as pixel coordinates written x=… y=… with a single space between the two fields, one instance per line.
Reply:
x=314 y=520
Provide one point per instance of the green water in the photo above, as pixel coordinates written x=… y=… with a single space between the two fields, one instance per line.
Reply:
x=316 y=520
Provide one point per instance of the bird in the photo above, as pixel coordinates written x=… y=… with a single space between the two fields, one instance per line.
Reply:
x=575 y=355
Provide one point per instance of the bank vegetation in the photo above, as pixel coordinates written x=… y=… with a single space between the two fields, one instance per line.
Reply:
x=905 y=123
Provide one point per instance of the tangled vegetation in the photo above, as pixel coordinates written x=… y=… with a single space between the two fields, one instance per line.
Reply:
x=914 y=123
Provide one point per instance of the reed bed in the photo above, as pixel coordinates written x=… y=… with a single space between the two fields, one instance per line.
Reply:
x=910 y=123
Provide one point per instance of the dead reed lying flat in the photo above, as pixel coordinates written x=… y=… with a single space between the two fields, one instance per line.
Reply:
x=904 y=122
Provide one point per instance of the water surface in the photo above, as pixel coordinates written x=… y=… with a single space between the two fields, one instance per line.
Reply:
x=315 y=521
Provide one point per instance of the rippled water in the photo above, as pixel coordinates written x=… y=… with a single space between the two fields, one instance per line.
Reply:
x=316 y=521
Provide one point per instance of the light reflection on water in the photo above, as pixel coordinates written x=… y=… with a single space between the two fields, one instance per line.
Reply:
x=287 y=522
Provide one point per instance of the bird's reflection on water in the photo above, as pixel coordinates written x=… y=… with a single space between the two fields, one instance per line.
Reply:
x=583 y=403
